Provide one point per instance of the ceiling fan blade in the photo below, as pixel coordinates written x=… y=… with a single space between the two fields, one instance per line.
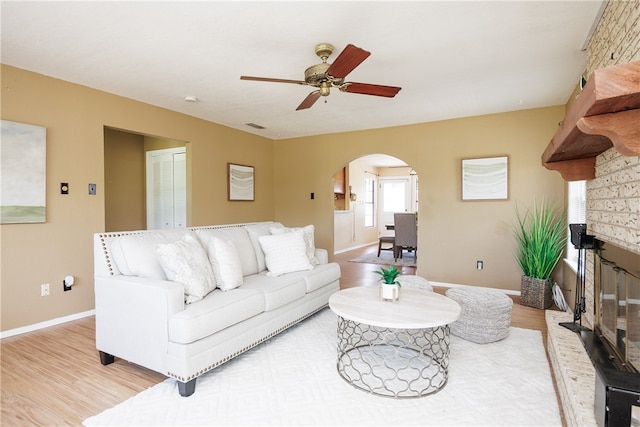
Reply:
x=309 y=100
x=347 y=61
x=268 y=79
x=369 y=89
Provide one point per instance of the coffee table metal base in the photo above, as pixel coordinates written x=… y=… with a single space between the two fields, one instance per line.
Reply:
x=391 y=362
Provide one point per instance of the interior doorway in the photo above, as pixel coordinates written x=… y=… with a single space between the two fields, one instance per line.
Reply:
x=365 y=178
x=125 y=177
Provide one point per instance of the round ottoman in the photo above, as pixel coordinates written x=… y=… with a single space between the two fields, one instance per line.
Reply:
x=412 y=281
x=485 y=315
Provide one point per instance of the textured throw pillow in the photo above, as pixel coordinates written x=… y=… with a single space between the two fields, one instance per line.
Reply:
x=285 y=253
x=255 y=231
x=186 y=262
x=225 y=263
x=309 y=240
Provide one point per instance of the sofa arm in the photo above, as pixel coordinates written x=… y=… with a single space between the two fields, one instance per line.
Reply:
x=322 y=255
x=132 y=316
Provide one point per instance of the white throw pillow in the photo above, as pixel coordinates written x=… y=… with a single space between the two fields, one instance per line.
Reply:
x=255 y=231
x=186 y=262
x=285 y=253
x=225 y=263
x=309 y=240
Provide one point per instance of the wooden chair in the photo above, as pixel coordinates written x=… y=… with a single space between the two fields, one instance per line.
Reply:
x=390 y=240
x=406 y=229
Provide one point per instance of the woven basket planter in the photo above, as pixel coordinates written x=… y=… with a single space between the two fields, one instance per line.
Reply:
x=536 y=293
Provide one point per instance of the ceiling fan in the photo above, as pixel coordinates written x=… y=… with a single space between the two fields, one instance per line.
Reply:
x=324 y=76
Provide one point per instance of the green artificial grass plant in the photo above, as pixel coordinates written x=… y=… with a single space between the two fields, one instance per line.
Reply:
x=388 y=275
x=541 y=236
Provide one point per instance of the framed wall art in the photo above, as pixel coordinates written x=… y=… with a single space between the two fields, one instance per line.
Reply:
x=23 y=173
x=485 y=178
x=241 y=182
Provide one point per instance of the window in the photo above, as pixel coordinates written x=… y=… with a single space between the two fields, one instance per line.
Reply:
x=369 y=205
x=576 y=213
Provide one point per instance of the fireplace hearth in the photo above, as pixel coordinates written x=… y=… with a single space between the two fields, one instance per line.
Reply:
x=613 y=345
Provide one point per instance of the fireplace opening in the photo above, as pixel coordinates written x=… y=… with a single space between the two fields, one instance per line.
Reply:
x=617 y=315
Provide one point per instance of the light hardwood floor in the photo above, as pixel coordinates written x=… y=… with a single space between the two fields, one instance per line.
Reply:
x=54 y=377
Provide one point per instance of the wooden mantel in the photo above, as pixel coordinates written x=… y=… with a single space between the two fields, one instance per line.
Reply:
x=606 y=114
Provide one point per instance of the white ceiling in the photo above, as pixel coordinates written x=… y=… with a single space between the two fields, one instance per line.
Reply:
x=452 y=59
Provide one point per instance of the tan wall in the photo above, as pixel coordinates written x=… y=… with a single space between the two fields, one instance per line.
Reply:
x=75 y=118
x=124 y=181
x=453 y=234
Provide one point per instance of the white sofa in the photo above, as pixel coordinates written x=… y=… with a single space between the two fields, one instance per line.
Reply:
x=146 y=318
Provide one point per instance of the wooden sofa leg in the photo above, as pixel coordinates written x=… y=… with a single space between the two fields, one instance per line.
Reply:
x=106 y=358
x=187 y=389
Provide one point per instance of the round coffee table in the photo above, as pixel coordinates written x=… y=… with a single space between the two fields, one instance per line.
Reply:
x=396 y=349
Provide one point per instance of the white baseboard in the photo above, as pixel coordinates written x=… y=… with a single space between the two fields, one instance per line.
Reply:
x=46 y=324
x=355 y=247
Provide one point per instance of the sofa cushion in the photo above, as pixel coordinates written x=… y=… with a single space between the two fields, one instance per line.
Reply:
x=241 y=240
x=277 y=291
x=285 y=253
x=322 y=275
x=255 y=231
x=215 y=312
x=135 y=253
x=225 y=263
x=186 y=262
x=309 y=240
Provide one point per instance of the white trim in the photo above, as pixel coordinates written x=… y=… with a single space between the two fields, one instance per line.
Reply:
x=46 y=324
x=572 y=264
x=455 y=285
x=355 y=247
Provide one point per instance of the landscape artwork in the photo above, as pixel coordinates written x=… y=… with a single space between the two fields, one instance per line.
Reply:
x=23 y=169
x=485 y=178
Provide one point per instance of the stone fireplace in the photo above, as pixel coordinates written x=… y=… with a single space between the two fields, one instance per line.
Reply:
x=612 y=172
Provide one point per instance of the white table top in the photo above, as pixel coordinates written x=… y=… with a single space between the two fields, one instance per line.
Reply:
x=416 y=308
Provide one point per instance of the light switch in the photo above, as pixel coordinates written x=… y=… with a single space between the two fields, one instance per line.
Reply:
x=64 y=188
x=92 y=189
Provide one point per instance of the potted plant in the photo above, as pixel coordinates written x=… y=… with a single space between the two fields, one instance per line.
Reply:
x=541 y=237
x=390 y=287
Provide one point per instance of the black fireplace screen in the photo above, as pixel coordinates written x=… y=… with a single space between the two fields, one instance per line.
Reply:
x=618 y=303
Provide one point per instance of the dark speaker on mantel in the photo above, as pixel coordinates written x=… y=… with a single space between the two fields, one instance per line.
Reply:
x=579 y=237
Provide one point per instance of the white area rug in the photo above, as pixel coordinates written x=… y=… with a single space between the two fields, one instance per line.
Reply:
x=292 y=380
x=386 y=258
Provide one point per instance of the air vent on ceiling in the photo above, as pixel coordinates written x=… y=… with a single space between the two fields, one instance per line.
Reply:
x=253 y=125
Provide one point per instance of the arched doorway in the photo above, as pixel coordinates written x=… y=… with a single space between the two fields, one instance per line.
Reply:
x=360 y=216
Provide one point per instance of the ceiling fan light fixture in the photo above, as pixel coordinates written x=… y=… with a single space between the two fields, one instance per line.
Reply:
x=325 y=89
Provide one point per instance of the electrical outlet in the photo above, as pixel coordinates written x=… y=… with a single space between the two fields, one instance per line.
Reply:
x=44 y=290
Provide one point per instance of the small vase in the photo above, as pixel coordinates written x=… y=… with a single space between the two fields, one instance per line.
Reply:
x=389 y=292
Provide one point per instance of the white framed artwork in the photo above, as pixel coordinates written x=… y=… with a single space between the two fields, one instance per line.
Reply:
x=23 y=173
x=485 y=178
x=240 y=182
